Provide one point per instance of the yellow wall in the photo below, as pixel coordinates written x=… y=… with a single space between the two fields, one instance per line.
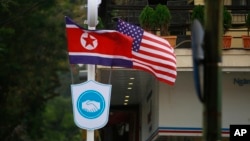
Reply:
x=198 y=2
x=201 y=2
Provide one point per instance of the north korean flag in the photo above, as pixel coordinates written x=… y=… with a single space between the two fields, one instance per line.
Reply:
x=101 y=47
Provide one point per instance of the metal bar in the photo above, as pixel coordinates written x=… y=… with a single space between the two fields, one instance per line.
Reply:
x=92 y=22
x=179 y=7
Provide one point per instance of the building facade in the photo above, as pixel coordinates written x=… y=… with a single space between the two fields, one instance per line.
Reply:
x=144 y=109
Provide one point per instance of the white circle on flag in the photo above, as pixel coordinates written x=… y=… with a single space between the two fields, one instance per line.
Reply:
x=88 y=42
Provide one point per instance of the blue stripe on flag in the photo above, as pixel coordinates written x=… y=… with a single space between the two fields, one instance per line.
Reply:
x=78 y=59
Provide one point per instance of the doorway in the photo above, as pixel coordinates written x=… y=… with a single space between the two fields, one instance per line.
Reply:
x=123 y=124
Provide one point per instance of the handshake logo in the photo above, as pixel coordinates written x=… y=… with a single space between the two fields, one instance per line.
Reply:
x=91 y=104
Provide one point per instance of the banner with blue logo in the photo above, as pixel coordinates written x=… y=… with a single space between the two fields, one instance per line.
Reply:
x=91 y=102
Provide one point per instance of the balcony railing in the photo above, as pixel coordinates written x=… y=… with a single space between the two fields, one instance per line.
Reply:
x=181 y=20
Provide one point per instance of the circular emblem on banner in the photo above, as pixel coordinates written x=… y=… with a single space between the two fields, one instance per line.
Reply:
x=90 y=104
x=88 y=41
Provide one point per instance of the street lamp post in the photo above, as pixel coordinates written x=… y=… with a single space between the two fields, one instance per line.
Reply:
x=92 y=12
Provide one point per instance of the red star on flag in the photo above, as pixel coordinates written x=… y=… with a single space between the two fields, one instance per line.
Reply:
x=89 y=40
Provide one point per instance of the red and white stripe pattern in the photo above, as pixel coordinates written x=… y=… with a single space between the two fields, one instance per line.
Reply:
x=151 y=53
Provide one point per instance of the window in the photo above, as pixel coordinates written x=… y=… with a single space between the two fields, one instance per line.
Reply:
x=240 y=2
x=155 y=2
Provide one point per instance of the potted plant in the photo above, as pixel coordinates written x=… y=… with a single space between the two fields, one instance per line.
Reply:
x=227 y=23
x=163 y=17
x=246 y=38
x=198 y=13
x=147 y=19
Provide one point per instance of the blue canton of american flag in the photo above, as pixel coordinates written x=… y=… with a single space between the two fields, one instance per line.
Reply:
x=151 y=53
x=133 y=31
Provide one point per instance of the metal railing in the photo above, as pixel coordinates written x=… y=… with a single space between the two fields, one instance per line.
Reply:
x=181 y=17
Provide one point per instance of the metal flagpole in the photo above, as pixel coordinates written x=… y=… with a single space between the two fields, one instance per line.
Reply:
x=212 y=70
x=92 y=13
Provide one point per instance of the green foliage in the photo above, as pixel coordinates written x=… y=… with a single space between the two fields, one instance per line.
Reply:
x=248 y=22
x=5 y=36
x=32 y=55
x=5 y=4
x=160 y=17
x=147 y=18
x=163 y=18
x=100 y=24
x=227 y=20
x=198 y=13
x=58 y=117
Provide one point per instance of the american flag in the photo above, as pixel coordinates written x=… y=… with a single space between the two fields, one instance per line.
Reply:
x=151 y=53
